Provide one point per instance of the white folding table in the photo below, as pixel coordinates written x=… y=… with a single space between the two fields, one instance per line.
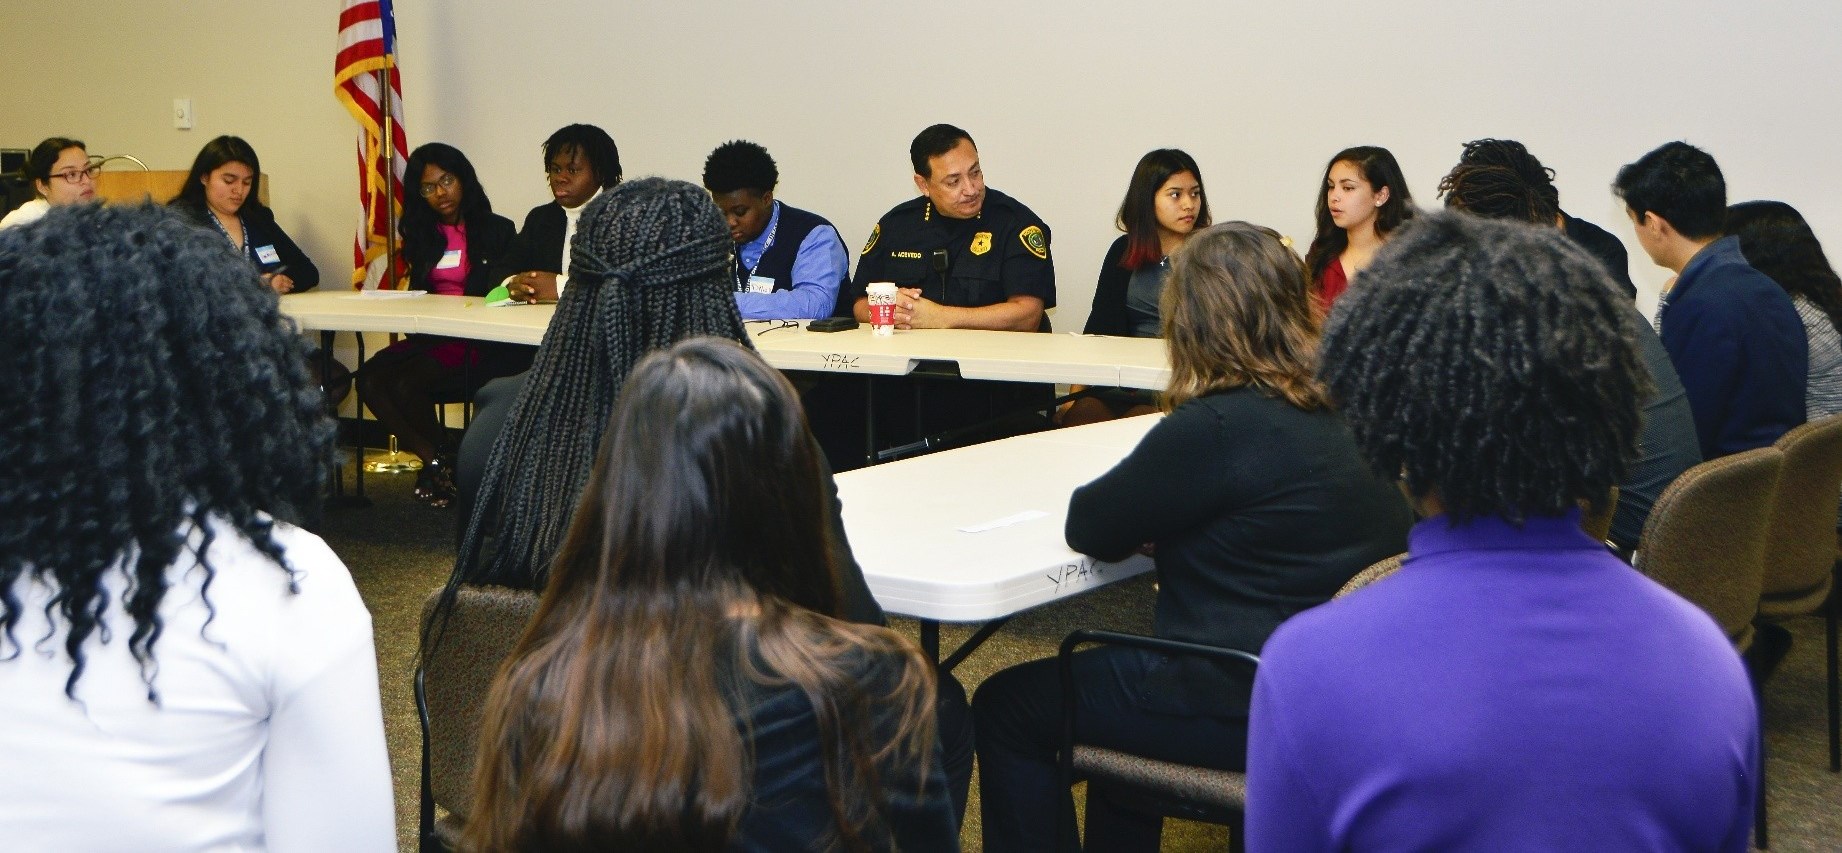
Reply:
x=975 y=534
x=1003 y=356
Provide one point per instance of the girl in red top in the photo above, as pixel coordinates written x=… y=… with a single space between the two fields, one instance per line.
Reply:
x=1361 y=200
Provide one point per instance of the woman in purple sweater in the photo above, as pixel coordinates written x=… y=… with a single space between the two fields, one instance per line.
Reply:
x=1514 y=685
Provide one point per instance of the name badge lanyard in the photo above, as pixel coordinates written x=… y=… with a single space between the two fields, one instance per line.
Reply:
x=743 y=277
x=242 y=248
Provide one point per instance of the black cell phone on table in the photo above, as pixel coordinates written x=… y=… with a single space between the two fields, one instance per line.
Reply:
x=832 y=324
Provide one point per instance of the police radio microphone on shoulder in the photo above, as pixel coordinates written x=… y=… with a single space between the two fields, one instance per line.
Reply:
x=940 y=261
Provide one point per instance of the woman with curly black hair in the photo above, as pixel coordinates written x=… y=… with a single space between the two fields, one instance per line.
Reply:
x=451 y=239
x=178 y=668
x=1514 y=684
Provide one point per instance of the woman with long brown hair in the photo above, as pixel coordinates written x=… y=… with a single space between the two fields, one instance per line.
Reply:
x=1258 y=506
x=1361 y=200
x=686 y=683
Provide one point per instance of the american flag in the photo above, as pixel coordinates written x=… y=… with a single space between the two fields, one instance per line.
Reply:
x=367 y=55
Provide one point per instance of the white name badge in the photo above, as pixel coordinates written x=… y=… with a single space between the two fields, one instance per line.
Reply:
x=268 y=255
x=760 y=284
x=450 y=259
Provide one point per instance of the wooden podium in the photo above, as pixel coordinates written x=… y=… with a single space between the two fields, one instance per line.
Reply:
x=130 y=186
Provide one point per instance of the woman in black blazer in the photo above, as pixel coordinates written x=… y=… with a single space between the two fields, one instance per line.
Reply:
x=223 y=192
x=453 y=243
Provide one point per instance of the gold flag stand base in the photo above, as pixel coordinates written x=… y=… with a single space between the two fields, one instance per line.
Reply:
x=392 y=461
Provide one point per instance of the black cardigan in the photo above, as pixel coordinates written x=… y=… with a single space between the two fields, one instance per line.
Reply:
x=1258 y=510
x=489 y=239
x=1109 y=315
x=262 y=230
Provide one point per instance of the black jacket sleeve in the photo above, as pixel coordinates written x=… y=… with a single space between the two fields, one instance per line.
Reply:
x=489 y=243
x=539 y=244
x=1170 y=483
x=1108 y=316
x=300 y=267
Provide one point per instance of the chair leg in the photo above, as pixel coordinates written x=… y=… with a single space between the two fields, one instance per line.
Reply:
x=1760 y=829
x=1835 y=689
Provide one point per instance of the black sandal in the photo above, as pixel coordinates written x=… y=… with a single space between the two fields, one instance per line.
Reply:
x=435 y=483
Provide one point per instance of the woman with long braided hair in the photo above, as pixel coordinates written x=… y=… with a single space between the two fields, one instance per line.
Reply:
x=653 y=273
x=649 y=268
x=179 y=670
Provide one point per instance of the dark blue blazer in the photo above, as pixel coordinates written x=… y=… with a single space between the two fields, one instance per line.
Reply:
x=1739 y=347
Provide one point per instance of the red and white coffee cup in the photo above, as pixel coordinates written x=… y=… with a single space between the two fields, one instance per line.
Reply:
x=882 y=306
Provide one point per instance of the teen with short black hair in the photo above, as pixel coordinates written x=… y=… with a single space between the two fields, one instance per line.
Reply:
x=789 y=264
x=1732 y=333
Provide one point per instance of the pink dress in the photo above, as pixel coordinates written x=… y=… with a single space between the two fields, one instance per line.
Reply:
x=451 y=281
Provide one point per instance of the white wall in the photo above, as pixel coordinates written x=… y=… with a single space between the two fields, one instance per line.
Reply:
x=1063 y=98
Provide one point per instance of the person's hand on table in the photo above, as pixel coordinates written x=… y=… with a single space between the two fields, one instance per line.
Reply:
x=914 y=311
x=533 y=287
x=280 y=282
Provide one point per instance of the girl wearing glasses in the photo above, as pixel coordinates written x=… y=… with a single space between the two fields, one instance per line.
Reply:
x=223 y=193
x=452 y=240
x=60 y=171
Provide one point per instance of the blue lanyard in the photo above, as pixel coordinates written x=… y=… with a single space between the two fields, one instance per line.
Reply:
x=242 y=249
x=742 y=278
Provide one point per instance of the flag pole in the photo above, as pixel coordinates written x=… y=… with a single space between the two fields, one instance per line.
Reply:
x=390 y=178
x=391 y=461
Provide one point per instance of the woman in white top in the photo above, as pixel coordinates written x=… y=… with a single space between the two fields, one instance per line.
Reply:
x=178 y=669
x=61 y=174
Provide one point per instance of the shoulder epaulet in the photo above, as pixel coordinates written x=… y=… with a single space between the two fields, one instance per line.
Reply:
x=912 y=205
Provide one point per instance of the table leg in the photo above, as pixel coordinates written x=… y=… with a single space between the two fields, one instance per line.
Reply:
x=358 y=435
x=972 y=643
x=930 y=642
x=326 y=366
x=357 y=499
x=869 y=420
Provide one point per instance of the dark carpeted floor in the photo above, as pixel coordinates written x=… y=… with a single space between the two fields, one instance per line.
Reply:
x=400 y=551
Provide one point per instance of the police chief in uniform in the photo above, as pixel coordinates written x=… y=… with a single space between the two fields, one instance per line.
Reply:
x=964 y=257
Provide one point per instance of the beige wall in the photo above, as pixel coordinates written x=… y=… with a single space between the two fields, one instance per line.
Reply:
x=1063 y=98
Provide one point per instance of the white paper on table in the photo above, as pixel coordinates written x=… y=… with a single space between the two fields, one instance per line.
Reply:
x=386 y=294
x=1019 y=518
